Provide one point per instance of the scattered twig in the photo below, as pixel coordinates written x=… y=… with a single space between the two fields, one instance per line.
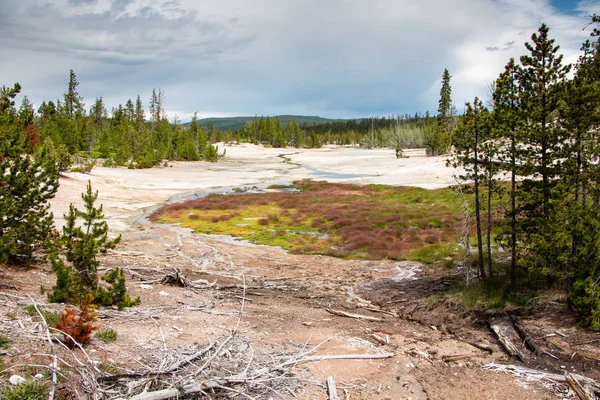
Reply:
x=481 y=346
x=577 y=388
x=585 y=342
x=457 y=357
x=502 y=330
x=162 y=335
x=331 y=390
x=533 y=374
x=381 y=340
x=54 y=356
x=351 y=315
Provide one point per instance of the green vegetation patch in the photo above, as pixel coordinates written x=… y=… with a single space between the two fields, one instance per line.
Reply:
x=30 y=390
x=351 y=221
x=106 y=335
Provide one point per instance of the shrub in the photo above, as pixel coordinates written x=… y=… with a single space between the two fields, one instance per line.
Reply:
x=29 y=390
x=78 y=325
x=263 y=221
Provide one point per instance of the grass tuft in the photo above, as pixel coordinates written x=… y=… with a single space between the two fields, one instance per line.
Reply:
x=4 y=341
x=106 y=335
x=51 y=318
x=29 y=390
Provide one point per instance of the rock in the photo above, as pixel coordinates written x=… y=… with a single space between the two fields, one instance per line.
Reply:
x=163 y=293
x=146 y=287
x=38 y=377
x=16 y=380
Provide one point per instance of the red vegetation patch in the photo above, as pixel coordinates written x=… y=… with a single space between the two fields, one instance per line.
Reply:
x=359 y=221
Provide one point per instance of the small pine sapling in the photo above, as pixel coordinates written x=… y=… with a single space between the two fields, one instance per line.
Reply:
x=78 y=326
x=77 y=269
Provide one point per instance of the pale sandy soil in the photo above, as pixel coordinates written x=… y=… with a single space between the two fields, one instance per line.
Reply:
x=291 y=291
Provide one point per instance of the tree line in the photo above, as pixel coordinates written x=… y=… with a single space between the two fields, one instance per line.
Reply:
x=531 y=159
x=29 y=174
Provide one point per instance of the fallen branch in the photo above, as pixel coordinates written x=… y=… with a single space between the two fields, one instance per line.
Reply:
x=502 y=331
x=534 y=374
x=346 y=357
x=527 y=339
x=457 y=357
x=351 y=315
x=331 y=390
x=384 y=341
x=577 y=388
x=52 y=349
x=481 y=346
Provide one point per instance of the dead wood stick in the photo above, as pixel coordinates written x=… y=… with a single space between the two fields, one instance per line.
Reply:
x=456 y=357
x=237 y=325
x=392 y=313
x=331 y=390
x=383 y=341
x=577 y=388
x=351 y=315
x=396 y=301
x=560 y=334
x=585 y=342
x=537 y=374
x=12 y=295
x=54 y=356
x=190 y=359
x=338 y=357
x=527 y=339
x=508 y=345
x=161 y=333
x=481 y=346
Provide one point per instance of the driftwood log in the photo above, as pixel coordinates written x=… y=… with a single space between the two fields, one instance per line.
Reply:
x=534 y=374
x=505 y=333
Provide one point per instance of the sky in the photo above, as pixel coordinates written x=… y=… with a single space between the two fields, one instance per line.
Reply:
x=331 y=58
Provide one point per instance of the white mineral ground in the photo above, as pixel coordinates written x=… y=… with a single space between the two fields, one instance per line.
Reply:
x=126 y=193
x=311 y=283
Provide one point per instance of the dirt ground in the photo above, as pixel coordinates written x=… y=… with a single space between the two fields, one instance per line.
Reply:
x=288 y=296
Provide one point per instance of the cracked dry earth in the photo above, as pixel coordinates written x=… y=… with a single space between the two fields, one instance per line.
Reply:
x=285 y=297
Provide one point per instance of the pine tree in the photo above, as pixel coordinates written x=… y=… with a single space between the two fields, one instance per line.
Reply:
x=445 y=101
x=508 y=121
x=541 y=197
x=77 y=278
x=540 y=74
x=27 y=183
x=438 y=138
x=467 y=143
x=73 y=102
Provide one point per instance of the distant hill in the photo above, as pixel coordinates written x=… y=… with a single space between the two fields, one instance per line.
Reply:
x=235 y=123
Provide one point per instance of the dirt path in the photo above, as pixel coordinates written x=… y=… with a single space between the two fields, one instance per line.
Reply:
x=287 y=295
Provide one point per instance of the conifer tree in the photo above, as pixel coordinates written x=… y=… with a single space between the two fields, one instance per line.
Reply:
x=508 y=119
x=77 y=271
x=541 y=72
x=467 y=144
x=438 y=139
x=73 y=102
x=27 y=183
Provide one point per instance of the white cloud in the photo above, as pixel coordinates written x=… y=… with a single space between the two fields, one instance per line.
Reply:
x=338 y=58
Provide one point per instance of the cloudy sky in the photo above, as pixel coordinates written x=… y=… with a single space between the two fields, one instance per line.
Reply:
x=332 y=58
